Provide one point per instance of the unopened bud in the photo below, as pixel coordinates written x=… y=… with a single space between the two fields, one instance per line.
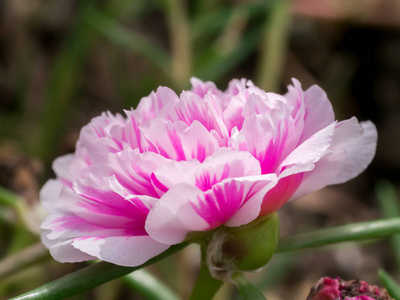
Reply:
x=245 y=248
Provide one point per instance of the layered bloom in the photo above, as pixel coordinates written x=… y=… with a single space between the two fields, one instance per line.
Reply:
x=179 y=164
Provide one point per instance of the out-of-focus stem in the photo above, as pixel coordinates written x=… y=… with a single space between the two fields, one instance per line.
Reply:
x=391 y=286
x=149 y=286
x=179 y=29
x=339 y=234
x=273 y=48
x=14 y=201
x=88 y=278
x=389 y=206
x=24 y=258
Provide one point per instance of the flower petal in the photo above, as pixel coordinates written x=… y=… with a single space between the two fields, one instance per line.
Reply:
x=129 y=251
x=177 y=141
x=360 y=150
x=185 y=208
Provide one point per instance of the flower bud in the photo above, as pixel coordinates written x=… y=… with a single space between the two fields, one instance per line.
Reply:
x=245 y=248
x=335 y=289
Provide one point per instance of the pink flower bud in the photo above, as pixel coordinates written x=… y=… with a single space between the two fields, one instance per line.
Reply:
x=337 y=289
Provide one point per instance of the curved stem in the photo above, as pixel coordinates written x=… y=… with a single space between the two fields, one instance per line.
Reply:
x=149 y=286
x=88 y=278
x=339 y=234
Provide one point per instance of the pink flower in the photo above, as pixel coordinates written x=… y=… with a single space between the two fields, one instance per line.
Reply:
x=137 y=185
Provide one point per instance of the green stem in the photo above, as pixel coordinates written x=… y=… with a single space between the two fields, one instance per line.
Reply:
x=246 y=289
x=339 y=234
x=273 y=49
x=206 y=286
x=387 y=200
x=391 y=286
x=179 y=28
x=149 y=286
x=88 y=278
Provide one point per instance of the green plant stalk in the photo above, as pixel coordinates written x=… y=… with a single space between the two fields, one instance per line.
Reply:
x=388 y=202
x=273 y=49
x=391 y=286
x=88 y=278
x=213 y=69
x=149 y=286
x=339 y=234
x=246 y=289
x=179 y=29
x=133 y=41
x=206 y=286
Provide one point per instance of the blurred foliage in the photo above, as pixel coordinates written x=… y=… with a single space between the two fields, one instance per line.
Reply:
x=63 y=62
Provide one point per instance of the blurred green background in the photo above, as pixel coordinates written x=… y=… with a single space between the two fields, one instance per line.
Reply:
x=63 y=62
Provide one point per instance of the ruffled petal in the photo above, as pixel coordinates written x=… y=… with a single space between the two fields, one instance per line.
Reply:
x=129 y=251
x=185 y=208
x=64 y=252
x=360 y=148
x=178 y=141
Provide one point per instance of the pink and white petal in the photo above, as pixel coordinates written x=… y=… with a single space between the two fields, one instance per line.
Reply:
x=202 y=88
x=63 y=227
x=360 y=150
x=178 y=141
x=270 y=149
x=174 y=215
x=150 y=106
x=133 y=170
x=312 y=149
x=173 y=173
x=185 y=208
x=318 y=111
x=98 y=212
x=258 y=187
x=224 y=163
x=64 y=252
x=129 y=251
x=218 y=205
x=232 y=114
x=61 y=166
x=325 y=170
x=50 y=196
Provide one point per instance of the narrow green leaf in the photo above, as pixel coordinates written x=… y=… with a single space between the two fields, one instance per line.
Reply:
x=391 y=286
x=274 y=44
x=246 y=289
x=88 y=278
x=389 y=205
x=149 y=286
x=214 y=68
x=129 y=39
x=339 y=234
